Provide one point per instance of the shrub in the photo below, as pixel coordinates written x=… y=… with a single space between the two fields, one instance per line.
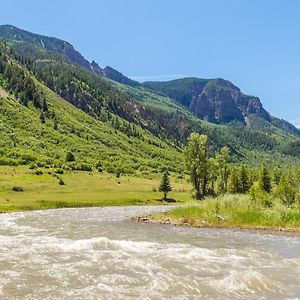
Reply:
x=59 y=171
x=85 y=167
x=61 y=182
x=80 y=167
x=40 y=164
x=38 y=172
x=17 y=189
x=260 y=197
x=70 y=157
x=297 y=200
x=286 y=192
x=32 y=166
x=98 y=165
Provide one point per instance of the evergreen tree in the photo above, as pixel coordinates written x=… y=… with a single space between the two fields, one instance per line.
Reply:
x=44 y=105
x=42 y=118
x=264 y=180
x=165 y=186
x=70 y=157
x=244 y=180
x=55 y=125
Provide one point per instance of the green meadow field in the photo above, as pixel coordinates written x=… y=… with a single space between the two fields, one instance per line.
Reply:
x=80 y=189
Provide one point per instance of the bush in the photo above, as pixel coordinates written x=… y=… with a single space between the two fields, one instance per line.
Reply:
x=32 y=166
x=61 y=182
x=38 y=172
x=80 y=167
x=17 y=189
x=286 y=192
x=70 y=157
x=59 y=171
x=260 y=197
x=40 y=164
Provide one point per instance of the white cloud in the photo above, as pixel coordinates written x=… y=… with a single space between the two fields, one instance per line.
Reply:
x=157 y=77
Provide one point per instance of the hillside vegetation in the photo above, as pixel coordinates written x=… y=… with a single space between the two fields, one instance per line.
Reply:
x=38 y=136
x=55 y=102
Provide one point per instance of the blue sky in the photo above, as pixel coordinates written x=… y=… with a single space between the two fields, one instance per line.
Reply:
x=253 y=43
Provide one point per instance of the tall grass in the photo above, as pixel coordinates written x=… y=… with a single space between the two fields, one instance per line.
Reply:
x=235 y=211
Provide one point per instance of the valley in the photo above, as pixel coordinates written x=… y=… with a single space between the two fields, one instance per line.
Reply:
x=149 y=150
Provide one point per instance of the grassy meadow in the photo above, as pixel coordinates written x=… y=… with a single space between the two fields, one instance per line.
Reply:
x=79 y=189
x=233 y=211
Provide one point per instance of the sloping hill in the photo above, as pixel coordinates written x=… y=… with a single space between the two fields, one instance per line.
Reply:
x=35 y=135
x=261 y=140
x=144 y=114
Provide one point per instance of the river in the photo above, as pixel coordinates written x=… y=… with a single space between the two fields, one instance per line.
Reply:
x=99 y=253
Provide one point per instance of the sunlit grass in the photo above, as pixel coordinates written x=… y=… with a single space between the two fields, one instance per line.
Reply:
x=80 y=189
x=233 y=211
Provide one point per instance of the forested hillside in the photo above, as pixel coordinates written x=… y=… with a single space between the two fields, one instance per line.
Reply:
x=120 y=125
x=44 y=128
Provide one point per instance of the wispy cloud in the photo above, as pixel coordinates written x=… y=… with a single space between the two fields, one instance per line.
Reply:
x=296 y=122
x=156 y=77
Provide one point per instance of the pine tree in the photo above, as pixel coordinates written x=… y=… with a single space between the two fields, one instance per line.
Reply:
x=42 y=118
x=70 y=157
x=244 y=180
x=165 y=186
x=264 y=180
x=55 y=125
x=44 y=105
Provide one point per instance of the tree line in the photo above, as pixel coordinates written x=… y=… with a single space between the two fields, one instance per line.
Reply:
x=18 y=82
x=214 y=174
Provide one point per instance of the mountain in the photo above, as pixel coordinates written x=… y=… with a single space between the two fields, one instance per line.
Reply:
x=147 y=125
x=19 y=36
x=14 y=34
x=39 y=128
x=214 y=100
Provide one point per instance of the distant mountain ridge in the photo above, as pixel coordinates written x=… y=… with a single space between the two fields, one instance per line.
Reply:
x=12 y=33
x=214 y=100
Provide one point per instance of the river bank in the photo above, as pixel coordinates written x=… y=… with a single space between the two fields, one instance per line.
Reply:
x=153 y=219
x=232 y=212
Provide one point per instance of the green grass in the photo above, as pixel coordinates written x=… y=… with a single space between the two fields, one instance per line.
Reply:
x=233 y=211
x=90 y=140
x=81 y=189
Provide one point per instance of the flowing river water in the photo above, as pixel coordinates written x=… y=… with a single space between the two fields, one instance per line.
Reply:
x=99 y=253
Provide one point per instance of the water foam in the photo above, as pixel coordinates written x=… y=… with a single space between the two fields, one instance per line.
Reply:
x=46 y=255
